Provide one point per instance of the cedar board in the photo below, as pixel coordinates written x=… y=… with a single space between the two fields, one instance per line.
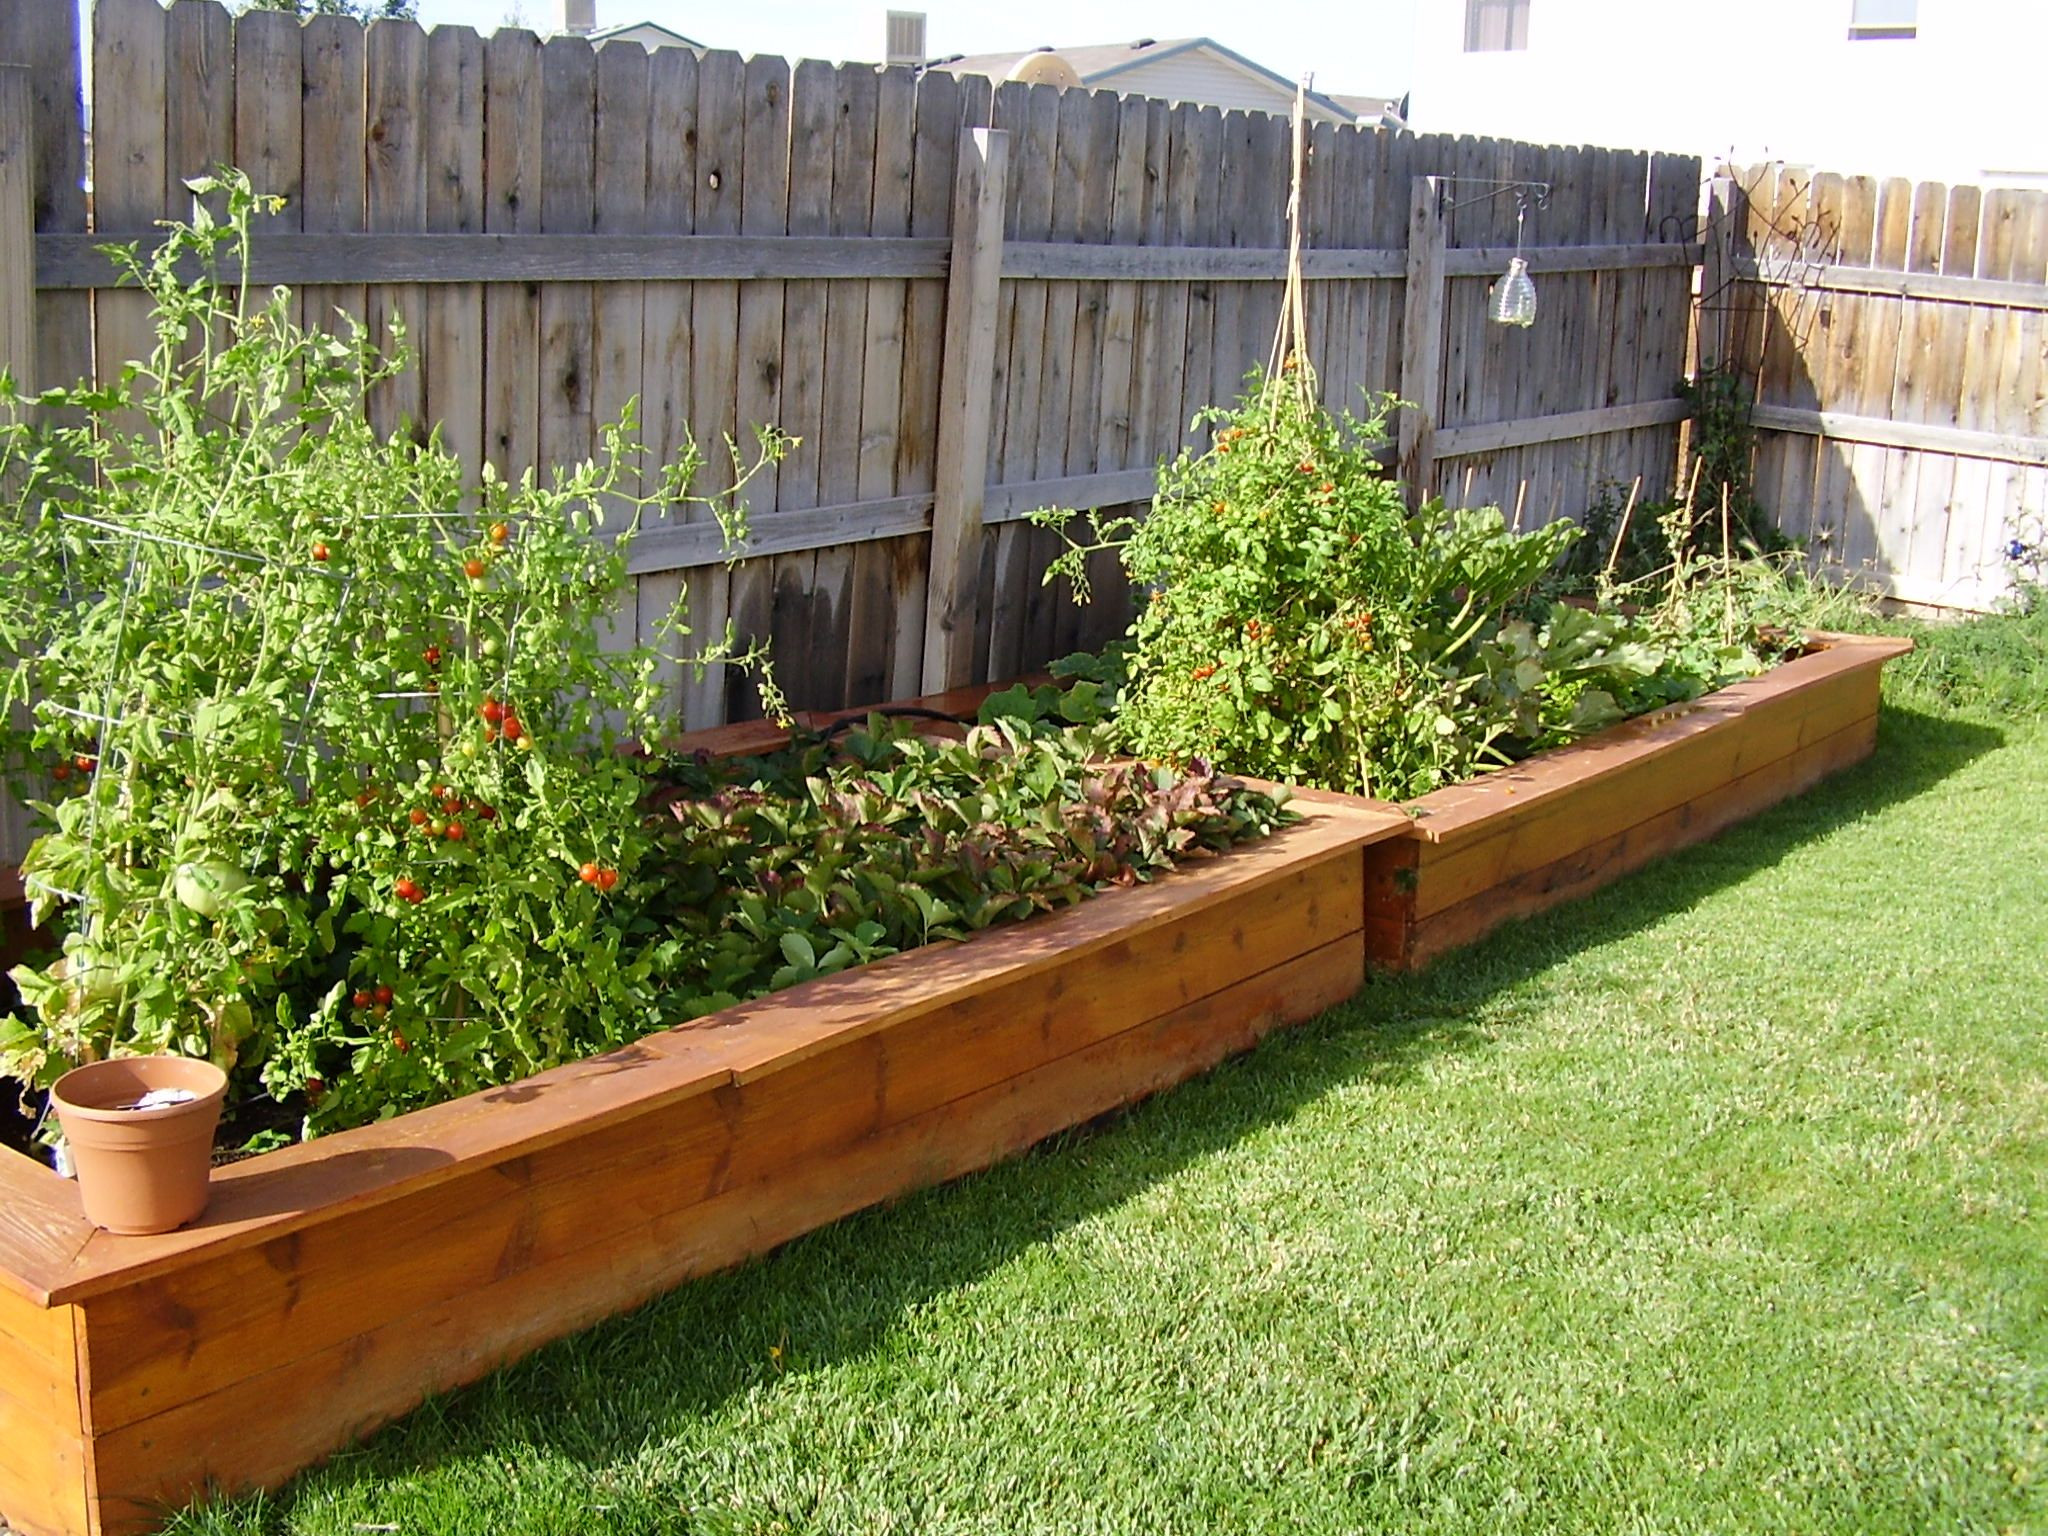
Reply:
x=1567 y=822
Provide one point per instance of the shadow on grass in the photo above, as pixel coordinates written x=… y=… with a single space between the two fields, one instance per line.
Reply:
x=837 y=1294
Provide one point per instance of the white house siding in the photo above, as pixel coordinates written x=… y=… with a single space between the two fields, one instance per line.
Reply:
x=1753 y=80
x=1197 y=75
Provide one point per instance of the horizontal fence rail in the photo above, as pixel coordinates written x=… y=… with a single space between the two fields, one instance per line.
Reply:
x=68 y=262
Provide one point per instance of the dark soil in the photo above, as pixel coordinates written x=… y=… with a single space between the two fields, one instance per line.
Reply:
x=18 y=1120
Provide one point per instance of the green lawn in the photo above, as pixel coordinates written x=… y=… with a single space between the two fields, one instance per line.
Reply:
x=1718 y=1202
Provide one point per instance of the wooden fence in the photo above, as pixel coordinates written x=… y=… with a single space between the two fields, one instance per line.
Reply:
x=966 y=302
x=1897 y=339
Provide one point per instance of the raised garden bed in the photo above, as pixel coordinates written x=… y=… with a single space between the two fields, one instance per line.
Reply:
x=1568 y=821
x=334 y=1284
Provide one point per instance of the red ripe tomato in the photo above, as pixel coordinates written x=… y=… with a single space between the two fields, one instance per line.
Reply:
x=366 y=799
x=490 y=733
x=409 y=890
x=454 y=832
x=362 y=999
x=432 y=655
x=512 y=730
x=316 y=1090
x=500 y=533
x=607 y=878
x=60 y=771
x=473 y=568
x=85 y=764
x=487 y=813
x=588 y=874
x=490 y=711
x=383 y=996
x=398 y=1041
x=418 y=817
x=320 y=553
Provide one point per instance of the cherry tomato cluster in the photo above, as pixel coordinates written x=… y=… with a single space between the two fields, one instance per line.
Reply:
x=372 y=1000
x=81 y=764
x=439 y=820
x=501 y=722
x=603 y=876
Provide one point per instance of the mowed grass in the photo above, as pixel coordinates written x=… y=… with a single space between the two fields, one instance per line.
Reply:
x=1717 y=1202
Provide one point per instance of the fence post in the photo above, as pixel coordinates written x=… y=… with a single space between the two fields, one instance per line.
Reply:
x=1422 y=339
x=17 y=227
x=966 y=398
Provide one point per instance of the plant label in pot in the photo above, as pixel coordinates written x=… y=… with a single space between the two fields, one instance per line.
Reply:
x=140 y=1131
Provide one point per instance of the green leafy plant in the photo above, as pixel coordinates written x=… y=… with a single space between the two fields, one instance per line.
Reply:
x=1301 y=624
x=320 y=735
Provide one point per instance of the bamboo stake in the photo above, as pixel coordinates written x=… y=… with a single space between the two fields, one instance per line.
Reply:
x=1727 y=584
x=1521 y=495
x=1620 y=533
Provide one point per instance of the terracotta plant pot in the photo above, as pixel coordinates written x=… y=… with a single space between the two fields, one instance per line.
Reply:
x=140 y=1170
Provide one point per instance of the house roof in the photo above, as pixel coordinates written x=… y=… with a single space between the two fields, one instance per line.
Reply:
x=1099 y=64
x=650 y=33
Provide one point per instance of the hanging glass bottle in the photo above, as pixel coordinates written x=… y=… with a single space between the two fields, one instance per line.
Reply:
x=1514 y=295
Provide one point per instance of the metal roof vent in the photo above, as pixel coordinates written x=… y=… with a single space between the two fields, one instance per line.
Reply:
x=905 y=39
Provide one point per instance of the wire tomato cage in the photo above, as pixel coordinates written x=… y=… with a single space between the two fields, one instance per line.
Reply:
x=110 y=724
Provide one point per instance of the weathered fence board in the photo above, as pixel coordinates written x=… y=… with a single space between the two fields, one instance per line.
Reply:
x=1894 y=334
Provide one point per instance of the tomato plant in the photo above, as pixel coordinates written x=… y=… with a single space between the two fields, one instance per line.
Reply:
x=1301 y=624
x=247 y=624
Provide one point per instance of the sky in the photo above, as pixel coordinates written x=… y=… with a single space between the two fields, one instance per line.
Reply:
x=1360 y=46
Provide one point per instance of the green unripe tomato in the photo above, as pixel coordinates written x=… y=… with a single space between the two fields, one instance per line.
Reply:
x=93 y=975
x=206 y=886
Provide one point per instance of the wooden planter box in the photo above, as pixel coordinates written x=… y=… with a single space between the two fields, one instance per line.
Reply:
x=331 y=1286
x=1569 y=821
